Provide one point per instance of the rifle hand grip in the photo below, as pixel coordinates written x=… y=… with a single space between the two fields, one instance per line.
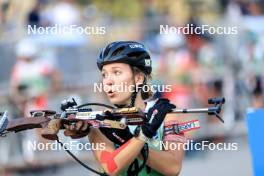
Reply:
x=50 y=132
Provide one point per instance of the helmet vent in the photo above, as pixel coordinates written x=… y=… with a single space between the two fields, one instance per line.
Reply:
x=105 y=52
x=118 y=51
x=135 y=54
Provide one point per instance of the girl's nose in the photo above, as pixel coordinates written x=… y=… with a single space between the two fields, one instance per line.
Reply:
x=109 y=81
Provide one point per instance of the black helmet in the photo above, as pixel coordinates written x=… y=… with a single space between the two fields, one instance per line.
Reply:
x=130 y=52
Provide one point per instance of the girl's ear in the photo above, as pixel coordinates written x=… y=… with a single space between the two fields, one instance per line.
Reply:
x=139 y=78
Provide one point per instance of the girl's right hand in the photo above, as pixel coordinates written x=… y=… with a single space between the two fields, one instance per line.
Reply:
x=77 y=130
x=156 y=115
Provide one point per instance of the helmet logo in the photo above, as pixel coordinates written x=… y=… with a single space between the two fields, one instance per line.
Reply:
x=147 y=62
x=136 y=46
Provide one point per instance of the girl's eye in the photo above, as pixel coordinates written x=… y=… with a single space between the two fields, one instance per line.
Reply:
x=103 y=75
x=117 y=72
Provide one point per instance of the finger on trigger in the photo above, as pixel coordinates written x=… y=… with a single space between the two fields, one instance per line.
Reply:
x=72 y=127
x=66 y=126
x=79 y=125
x=85 y=126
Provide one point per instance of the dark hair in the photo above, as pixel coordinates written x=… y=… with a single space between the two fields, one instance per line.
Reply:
x=147 y=78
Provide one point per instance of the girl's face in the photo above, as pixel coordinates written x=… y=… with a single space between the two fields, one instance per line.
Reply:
x=118 y=81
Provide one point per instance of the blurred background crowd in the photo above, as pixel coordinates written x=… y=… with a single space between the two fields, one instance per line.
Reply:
x=37 y=71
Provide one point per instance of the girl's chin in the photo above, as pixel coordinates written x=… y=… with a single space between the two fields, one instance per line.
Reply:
x=117 y=102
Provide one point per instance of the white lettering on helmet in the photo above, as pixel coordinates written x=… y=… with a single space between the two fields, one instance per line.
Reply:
x=136 y=46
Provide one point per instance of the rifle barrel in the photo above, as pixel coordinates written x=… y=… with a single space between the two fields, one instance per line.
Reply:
x=191 y=110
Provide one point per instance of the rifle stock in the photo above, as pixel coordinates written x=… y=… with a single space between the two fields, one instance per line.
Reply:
x=26 y=123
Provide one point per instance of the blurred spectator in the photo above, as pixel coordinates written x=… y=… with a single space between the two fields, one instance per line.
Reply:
x=175 y=66
x=65 y=18
x=64 y=13
x=257 y=92
x=34 y=16
x=30 y=78
x=175 y=59
x=255 y=8
x=251 y=52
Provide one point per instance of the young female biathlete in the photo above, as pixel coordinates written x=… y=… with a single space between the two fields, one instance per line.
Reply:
x=129 y=63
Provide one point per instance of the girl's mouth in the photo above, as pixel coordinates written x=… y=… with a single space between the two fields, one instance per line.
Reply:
x=110 y=93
